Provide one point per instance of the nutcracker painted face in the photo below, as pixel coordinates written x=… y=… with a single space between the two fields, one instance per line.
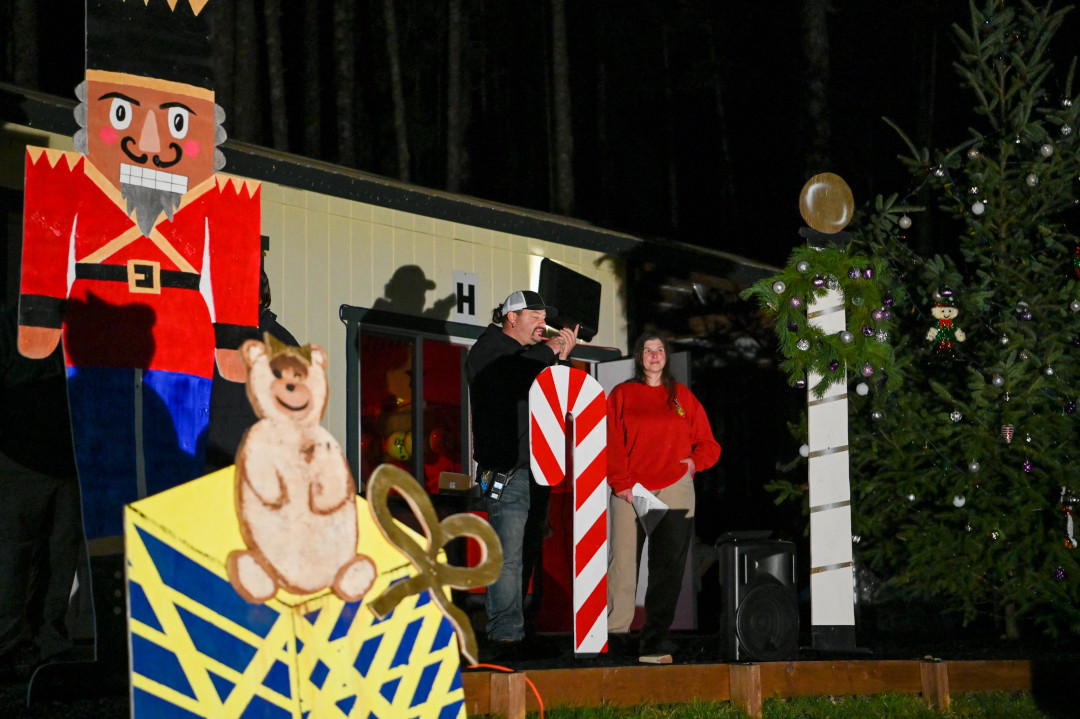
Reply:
x=149 y=126
x=154 y=140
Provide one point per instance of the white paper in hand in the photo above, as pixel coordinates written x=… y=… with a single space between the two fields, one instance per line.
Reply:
x=649 y=509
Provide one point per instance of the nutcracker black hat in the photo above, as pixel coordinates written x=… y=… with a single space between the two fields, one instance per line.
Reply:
x=165 y=39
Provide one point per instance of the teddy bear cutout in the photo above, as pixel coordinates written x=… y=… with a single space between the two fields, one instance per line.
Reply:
x=295 y=495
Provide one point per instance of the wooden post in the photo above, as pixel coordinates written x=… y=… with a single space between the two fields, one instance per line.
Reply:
x=507 y=695
x=935 y=684
x=744 y=682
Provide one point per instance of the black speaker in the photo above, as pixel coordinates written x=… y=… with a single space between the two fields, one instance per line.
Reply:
x=760 y=615
x=575 y=296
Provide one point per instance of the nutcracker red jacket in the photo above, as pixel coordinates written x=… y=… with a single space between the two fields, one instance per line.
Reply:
x=648 y=438
x=80 y=248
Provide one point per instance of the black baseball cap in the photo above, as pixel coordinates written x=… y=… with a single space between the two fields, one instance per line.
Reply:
x=527 y=300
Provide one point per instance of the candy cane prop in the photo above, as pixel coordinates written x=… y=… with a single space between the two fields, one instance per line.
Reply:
x=568 y=437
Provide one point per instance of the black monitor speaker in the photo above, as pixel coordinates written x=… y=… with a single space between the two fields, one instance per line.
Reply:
x=575 y=296
x=760 y=614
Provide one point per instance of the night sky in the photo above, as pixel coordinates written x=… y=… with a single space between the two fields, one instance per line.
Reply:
x=638 y=120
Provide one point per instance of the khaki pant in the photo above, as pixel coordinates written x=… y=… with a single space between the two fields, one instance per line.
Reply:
x=668 y=545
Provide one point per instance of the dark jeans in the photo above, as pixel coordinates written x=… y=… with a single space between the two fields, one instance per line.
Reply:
x=519 y=519
x=40 y=544
x=668 y=546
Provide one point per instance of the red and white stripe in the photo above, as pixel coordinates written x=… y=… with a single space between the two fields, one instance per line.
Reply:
x=568 y=438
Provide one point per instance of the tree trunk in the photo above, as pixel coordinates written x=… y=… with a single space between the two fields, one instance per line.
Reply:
x=246 y=105
x=279 y=120
x=312 y=117
x=24 y=31
x=401 y=135
x=455 y=126
x=345 y=78
x=725 y=189
x=815 y=42
x=669 y=137
x=564 y=136
x=223 y=41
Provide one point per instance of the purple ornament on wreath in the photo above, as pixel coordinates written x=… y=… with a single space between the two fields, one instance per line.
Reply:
x=878 y=315
x=818 y=281
x=834 y=365
x=795 y=302
x=889 y=301
x=1027 y=465
x=868 y=273
x=793 y=326
x=868 y=331
x=854 y=273
x=867 y=370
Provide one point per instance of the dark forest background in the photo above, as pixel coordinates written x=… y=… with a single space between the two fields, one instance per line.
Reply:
x=696 y=120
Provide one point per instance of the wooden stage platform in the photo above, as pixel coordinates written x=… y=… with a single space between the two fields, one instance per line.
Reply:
x=506 y=694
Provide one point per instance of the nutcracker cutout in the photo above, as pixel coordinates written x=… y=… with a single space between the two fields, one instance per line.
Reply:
x=142 y=260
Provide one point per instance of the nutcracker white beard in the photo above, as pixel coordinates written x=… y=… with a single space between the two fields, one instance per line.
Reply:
x=146 y=204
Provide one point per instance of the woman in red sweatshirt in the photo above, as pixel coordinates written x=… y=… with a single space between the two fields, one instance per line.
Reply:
x=658 y=437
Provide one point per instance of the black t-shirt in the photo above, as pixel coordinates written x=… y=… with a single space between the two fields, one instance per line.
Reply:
x=500 y=372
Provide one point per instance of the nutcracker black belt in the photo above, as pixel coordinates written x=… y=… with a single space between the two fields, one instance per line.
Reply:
x=140 y=275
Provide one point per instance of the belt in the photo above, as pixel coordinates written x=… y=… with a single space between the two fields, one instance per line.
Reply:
x=140 y=275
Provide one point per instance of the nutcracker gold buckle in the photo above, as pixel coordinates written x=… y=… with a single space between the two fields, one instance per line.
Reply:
x=144 y=276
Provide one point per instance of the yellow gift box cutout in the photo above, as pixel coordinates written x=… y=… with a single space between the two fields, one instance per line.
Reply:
x=198 y=649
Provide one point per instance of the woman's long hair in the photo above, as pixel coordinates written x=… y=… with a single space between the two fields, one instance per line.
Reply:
x=639 y=364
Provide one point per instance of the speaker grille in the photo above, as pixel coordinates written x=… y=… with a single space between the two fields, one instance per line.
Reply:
x=767 y=622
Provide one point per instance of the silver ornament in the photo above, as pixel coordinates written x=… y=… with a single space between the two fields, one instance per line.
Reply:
x=959 y=501
x=994 y=534
x=832 y=283
x=955 y=416
x=978 y=208
x=973 y=154
x=1032 y=180
x=997 y=380
x=861 y=389
x=911 y=497
x=803 y=344
x=881 y=336
x=1046 y=150
x=973 y=466
x=904 y=222
x=1066 y=102
x=778 y=287
x=846 y=337
x=803 y=266
x=939 y=171
x=876 y=415
x=1049 y=371
x=804 y=450
x=1075 y=305
x=973 y=191
x=1066 y=130
x=1005 y=340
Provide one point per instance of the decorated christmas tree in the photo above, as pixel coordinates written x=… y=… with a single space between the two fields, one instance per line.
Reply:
x=964 y=474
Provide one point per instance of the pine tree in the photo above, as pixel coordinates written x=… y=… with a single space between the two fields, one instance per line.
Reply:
x=962 y=476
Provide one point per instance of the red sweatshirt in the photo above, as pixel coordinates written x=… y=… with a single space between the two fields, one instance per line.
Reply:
x=647 y=438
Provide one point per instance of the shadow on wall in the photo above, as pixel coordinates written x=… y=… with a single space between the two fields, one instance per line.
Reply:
x=406 y=293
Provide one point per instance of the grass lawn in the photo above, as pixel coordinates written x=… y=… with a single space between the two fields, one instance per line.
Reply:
x=883 y=706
